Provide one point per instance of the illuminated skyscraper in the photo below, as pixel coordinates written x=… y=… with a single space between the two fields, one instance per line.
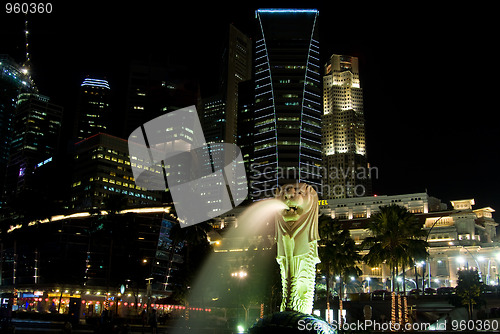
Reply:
x=14 y=79
x=344 y=146
x=213 y=118
x=288 y=102
x=102 y=171
x=35 y=140
x=94 y=110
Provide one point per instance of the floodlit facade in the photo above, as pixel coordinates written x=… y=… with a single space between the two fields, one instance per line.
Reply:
x=460 y=237
x=288 y=102
x=346 y=170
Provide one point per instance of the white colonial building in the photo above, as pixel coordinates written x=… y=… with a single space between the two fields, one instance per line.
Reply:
x=458 y=237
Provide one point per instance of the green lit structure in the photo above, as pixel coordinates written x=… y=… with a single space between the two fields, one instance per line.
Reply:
x=297 y=252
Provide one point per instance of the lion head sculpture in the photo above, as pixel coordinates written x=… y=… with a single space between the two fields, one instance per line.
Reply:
x=297 y=245
x=300 y=219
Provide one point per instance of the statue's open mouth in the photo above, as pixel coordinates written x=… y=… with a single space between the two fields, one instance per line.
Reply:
x=292 y=212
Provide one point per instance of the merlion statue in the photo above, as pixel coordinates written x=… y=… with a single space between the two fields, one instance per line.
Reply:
x=297 y=240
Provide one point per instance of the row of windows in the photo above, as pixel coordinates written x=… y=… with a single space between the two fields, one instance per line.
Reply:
x=288 y=143
x=112 y=181
x=129 y=193
x=111 y=158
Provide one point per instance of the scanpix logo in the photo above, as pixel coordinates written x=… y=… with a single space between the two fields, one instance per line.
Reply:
x=205 y=180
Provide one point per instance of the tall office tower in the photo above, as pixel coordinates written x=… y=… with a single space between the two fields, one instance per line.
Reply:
x=213 y=118
x=155 y=89
x=36 y=130
x=239 y=68
x=343 y=139
x=218 y=113
x=14 y=79
x=288 y=102
x=93 y=110
x=102 y=173
x=245 y=125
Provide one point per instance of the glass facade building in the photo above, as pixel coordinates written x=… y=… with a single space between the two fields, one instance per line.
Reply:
x=288 y=101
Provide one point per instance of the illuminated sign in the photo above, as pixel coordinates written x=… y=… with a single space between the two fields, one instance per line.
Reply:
x=323 y=202
x=44 y=162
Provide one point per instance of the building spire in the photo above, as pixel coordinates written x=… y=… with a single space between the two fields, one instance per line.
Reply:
x=26 y=68
x=27 y=62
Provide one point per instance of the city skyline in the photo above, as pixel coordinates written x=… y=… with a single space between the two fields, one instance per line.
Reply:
x=416 y=100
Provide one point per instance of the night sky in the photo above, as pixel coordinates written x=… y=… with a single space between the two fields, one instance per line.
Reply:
x=429 y=74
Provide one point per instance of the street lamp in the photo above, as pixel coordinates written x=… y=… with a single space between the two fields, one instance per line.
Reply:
x=240 y=274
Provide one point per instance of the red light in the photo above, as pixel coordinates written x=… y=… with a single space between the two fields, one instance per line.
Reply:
x=83 y=301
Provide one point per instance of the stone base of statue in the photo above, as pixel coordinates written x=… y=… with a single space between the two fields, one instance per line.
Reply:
x=291 y=322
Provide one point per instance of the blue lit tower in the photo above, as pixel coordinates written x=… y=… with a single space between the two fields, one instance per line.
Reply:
x=94 y=111
x=288 y=100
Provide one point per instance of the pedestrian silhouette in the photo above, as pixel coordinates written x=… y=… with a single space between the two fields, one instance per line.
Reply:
x=153 y=321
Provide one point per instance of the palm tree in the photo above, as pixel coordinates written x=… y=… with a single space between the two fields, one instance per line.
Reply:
x=397 y=238
x=338 y=253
